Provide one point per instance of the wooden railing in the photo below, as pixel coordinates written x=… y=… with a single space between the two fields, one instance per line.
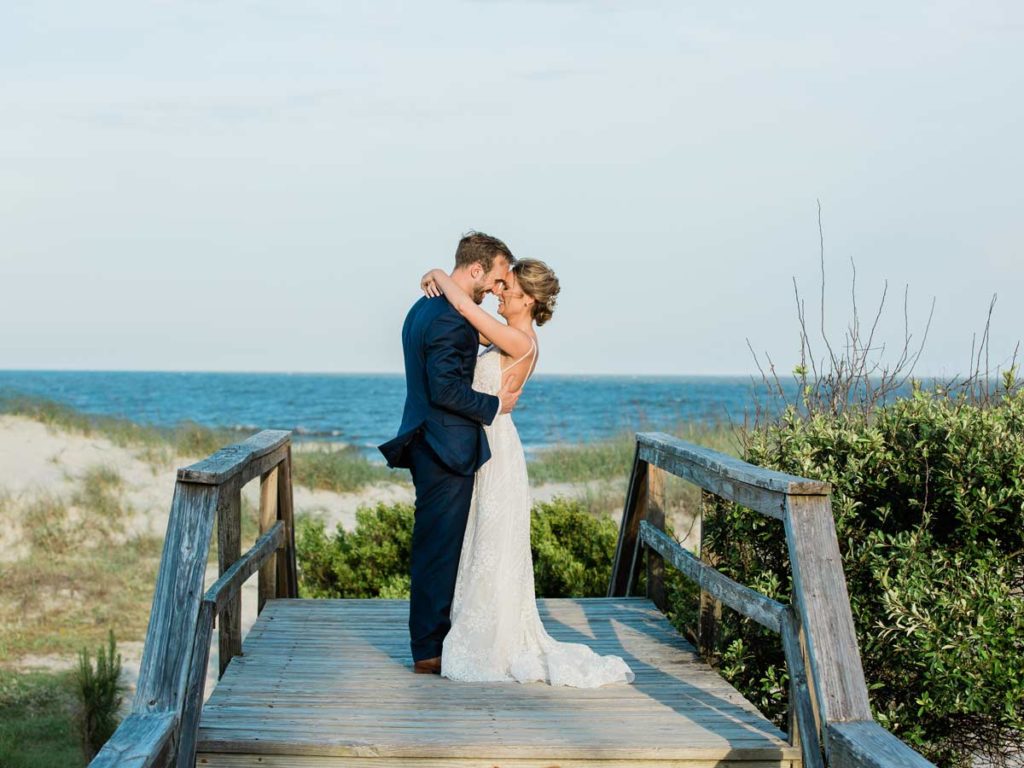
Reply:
x=162 y=727
x=830 y=717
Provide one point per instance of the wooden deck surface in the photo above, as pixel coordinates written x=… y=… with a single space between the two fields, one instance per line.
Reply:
x=329 y=683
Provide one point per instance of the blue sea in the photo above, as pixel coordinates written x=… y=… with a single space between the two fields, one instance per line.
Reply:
x=365 y=409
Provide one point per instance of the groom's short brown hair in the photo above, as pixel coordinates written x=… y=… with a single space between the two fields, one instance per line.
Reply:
x=478 y=248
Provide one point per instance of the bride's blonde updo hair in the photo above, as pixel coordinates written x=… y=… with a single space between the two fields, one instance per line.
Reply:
x=537 y=280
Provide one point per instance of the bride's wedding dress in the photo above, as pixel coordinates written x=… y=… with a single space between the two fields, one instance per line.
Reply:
x=496 y=631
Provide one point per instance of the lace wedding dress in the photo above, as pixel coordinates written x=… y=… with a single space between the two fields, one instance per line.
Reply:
x=496 y=631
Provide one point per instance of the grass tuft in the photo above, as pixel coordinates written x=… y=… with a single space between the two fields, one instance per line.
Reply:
x=47 y=525
x=53 y=601
x=185 y=439
x=612 y=459
x=341 y=471
x=98 y=496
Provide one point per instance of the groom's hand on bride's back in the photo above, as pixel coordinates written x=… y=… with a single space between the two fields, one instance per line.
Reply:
x=508 y=398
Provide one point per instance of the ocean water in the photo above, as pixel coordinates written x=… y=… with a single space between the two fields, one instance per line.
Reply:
x=366 y=409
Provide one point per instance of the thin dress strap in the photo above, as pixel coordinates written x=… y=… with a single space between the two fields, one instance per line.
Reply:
x=533 y=349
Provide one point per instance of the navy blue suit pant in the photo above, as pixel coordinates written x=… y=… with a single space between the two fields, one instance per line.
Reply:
x=442 y=508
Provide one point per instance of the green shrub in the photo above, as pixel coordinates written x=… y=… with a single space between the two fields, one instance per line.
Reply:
x=928 y=499
x=370 y=561
x=100 y=694
x=572 y=552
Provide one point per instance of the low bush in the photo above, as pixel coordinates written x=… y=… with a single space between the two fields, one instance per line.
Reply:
x=572 y=552
x=928 y=499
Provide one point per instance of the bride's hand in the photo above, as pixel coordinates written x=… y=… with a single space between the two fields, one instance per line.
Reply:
x=429 y=285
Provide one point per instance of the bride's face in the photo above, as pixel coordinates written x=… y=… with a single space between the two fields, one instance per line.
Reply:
x=512 y=301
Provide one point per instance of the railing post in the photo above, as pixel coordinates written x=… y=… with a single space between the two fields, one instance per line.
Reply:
x=268 y=516
x=287 y=574
x=823 y=604
x=709 y=614
x=229 y=549
x=179 y=591
x=655 y=515
x=623 y=577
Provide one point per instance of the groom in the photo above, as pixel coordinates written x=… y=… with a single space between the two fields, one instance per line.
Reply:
x=441 y=440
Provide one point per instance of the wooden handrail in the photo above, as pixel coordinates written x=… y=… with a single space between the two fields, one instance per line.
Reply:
x=769 y=613
x=817 y=630
x=162 y=728
x=242 y=461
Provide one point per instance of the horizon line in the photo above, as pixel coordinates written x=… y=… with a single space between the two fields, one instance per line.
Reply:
x=754 y=375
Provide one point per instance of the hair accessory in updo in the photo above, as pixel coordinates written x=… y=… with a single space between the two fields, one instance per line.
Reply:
x=538 y=281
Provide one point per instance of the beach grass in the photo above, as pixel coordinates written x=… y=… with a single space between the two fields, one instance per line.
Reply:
x=81 y=574
x=597 y=474
x=58 y=598
x=332 y=467
x=185 y=439
x=37 y=720
x=341 y=470
x=613 y=458
x=99 y=496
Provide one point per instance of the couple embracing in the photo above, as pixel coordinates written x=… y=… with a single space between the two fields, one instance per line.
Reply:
x=472 y=608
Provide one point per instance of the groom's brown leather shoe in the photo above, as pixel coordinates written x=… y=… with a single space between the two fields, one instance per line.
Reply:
x=427 y=666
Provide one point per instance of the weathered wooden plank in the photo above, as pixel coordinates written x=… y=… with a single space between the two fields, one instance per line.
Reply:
x=623 y=566
x=714 y=465
x=557 y=748
x=674 y=456
x=315 y=681
x=240 y=462
x=163 y=672
x=655 y=516
x=287 y=572
x=866 y=744
x=189 y=731
x=229 y=549
x=267 y=580
x=765 y=611
x=142 y=740
x=223 y=592
x=803 y=723
x=823 y=604
x=212 y=760
x=709 y=616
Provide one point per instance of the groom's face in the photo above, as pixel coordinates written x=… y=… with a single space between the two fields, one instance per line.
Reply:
x=485 y=284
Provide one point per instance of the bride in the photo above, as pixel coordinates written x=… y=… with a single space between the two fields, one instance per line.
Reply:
x=496 y=631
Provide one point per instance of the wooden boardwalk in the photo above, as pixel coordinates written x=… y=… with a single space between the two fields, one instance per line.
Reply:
x=329 y=683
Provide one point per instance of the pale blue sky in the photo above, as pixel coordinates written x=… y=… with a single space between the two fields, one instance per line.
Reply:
x=259 y=185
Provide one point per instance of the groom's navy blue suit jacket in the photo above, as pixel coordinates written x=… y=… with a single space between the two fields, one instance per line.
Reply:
x=440 y=356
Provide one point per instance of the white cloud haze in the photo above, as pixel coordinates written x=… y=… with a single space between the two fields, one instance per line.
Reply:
x=258 y=186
